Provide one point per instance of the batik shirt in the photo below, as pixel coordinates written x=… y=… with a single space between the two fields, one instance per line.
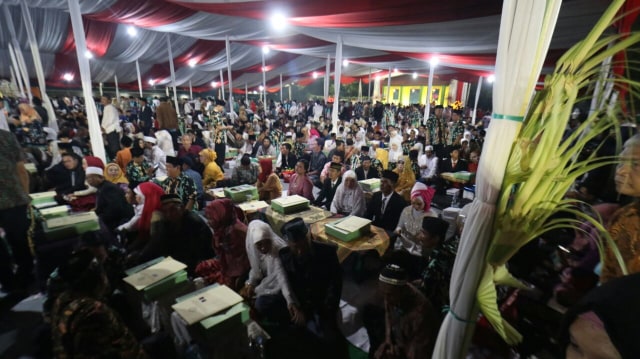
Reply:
x=415 y=117
x=456 y=130
x=31 y=135
x=298 y=149
x=276 y=136
x=437 y=273
x=137 y=174
x=375 y=163
x=87 y=328
x=388 y=118
x=437 y=130
x=183 y=186
x=217 y=122
x=415 y=168
x=406 y=147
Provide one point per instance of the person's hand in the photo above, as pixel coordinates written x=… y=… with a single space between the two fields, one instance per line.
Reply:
x=387 y=351
x=247 y=291
x=297 y=316
x=150 y=171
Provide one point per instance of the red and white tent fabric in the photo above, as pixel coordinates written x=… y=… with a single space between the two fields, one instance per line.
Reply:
x=402 y=34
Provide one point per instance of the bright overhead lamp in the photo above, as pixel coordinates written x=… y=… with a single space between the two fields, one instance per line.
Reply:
x=278 y=21
x=434 y=61
x=214 y=84
x=88 y=54
x=193 y=62
x=395 y=70
x=261 y=88
x=255 y=92
x=415 y=75
x=152 y=82
x=315 y=75
x=67 y=77
x=265 y=49
x=491 y=78
x=345 y=62
x=132 y=31
x=264 y=69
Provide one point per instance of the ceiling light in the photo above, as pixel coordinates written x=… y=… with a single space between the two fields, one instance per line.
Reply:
x=261 y=88
x=395 y=70
x=434 y=61
x=214 y=83
x=265 y=49
x=88 y=54
x=315 y=75
x=278 y=21
x=415 y=75
x=345 y=62
x=255 y=92
x=68 y=76
x=264 y=69
x=132 y=31
x=193 y=62
x=151 y=82
x=491 y=78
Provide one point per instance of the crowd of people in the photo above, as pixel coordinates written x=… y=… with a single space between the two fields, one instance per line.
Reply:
x=152 y=197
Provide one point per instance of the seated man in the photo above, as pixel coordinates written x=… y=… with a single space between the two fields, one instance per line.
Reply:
x=266 y=149
x=112 y=207
x=428 y=163
x=386 y=205
x=180 y=184
x=286 y=160
x=138 y=169
x=180 y=233
x=338 y=157
x=329 y=186
x=365 y=171
x=246 y=173
x=315 y=277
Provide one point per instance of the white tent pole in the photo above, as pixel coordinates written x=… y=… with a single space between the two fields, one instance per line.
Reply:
x=336 y=86
x=290 y=98
x=327 y=76
x=229 y=76
x=100 y=85
x=166 y=91
x=16 y=71
x=264 y=85
x=360 y=91
x=369 y=89
x=222 y=84
x=281 y=99
x=173 y=76
x=139 y=77
x=246 y=94
x=115 y=79
x=15 y=82
x=37 y=62
x=21 y=68
x=389 y=86
x=190 y=91
x=427 y=106
x=95 y=132
x=475 y=106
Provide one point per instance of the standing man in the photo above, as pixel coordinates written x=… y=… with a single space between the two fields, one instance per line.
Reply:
x=456 y=131
x=14 y=199
x=386 y=205
x=145 y=117
x=437 y=131
x=155 y=156
x=111 y=126
x=219 y=128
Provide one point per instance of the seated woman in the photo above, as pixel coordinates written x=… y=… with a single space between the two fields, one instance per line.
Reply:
x=406 y=179
x=229 y=234
x=299 y=183
x=269 y=185
x=147 y=202
x=410 y=223
x=267 y=278
x=212 y=173
x=114 y=174
x=349 y=197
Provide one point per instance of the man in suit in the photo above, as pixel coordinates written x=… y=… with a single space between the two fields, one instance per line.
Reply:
x=454 y=163
x=329 y=186
x=286 y=159
x=111 y=205
x=365 y=171
x=145 y=117
x=386 y=205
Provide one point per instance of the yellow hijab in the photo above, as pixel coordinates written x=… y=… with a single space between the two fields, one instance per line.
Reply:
x=120 y=178
x=407 y=178
x=209 y=154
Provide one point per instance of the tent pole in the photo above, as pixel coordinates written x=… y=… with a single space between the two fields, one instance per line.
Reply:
x=336 y=86
x=475 y=107
x=222 y=84
x=389 y=86
x=139 y=78
x=281 y=99
x=190 y=91
x=327 y=78
x=115 y=79
x=369 y=88
x=173 y=76
x=427 y=106
x=264 y=85
x=229 y=76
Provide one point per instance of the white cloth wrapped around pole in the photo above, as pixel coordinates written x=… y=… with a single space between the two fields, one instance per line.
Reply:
x=190 y=91
x=526 y=29
x=246 y=94
x=281 y=89
x=369 y=88
x=115 y=80
x=17 y=84
x=475 y=106
x=95 y=132
x=37 y=62
x=229 y=75
x=100 y=89
x=389 y=86
x=427 y=106
x=222 y=84
x=327 y=78
x=139 y=77
x=336 y=87
x=19 y=63
x=264 y=85
x=173 y=77
x=360 y=91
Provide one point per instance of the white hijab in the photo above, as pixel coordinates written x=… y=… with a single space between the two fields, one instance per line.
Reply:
x=257 y=231
x=348 y=199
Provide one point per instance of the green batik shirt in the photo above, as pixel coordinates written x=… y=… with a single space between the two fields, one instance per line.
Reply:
x=406 y=147
x=416 y=169
x=437 y=273
x=137 y=174
x=457 y=130
x=375 y=163
x=298 y=149
x=183 y=186
x=276 y=136
x=415 y=117
x=217 y=124
x=388 y=119
x=437 y=130
x=85 y=327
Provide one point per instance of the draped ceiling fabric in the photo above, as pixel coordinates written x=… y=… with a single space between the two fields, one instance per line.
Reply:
x=402 y=34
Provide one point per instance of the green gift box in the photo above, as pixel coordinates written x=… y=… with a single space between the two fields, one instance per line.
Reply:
x=54 y=212
x=464 y=175
x=348 y=228
x=370 y=185
x=43 y=199
x=71 y=225
x=162 y=286
x=290 y=204
x=242 y=193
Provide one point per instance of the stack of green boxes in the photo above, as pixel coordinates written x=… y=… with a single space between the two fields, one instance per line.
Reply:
x=370 y=185
x=290 y=204
x=43 y=199
x=242 y=193
x=54 y=212
x=61 y=227
x=348 y=228
x=161 y=286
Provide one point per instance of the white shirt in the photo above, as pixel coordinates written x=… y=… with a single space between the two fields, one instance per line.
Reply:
x=4 y=125
x=159 y=158
x=111 y=119
x=431 y=163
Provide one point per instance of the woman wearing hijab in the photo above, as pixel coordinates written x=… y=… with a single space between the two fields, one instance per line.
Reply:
x=410 y=223
x=604 y=324
x=269 y=186
x=267 y=278
x=229 y=234
x=406 y=179
x=114 y=174
x=212 y=172
x=148 y=201
x=349 y=198
x=299 y=183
